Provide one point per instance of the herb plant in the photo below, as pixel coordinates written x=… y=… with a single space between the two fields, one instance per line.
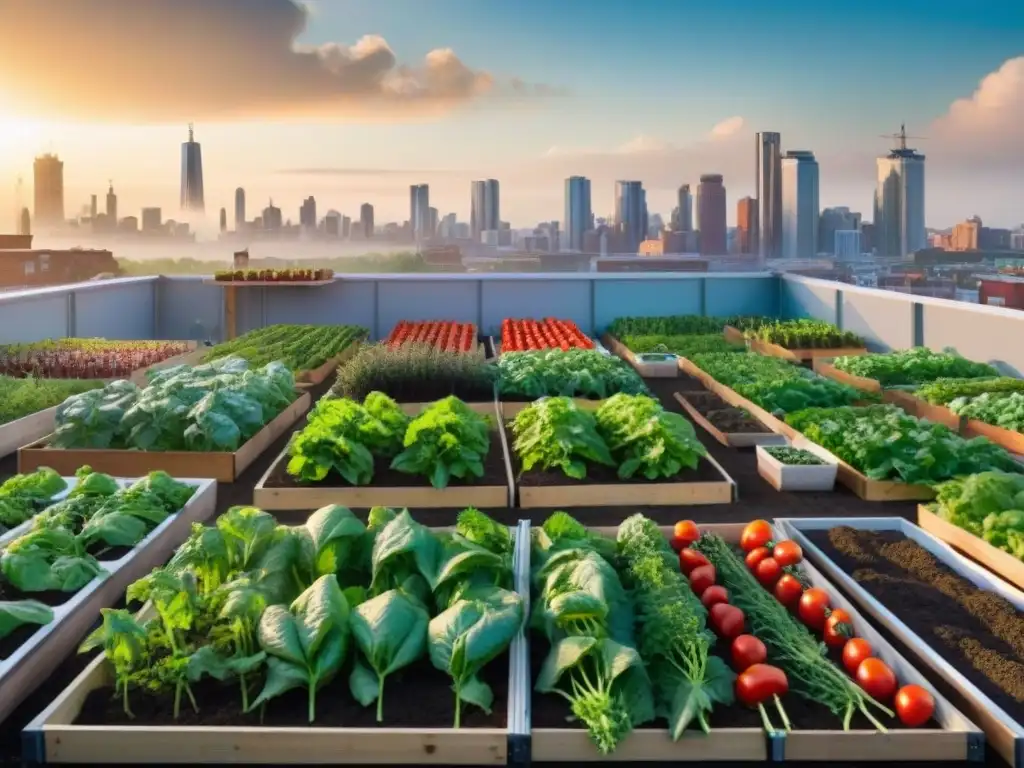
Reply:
x=647 y=440
x=18 y=613
x=682 y=345
x=676 y=325
x=796 y=457
x=989 y=504
x=943 y=391
x=23 y=397
x=804 y=334
x=1001 y=409
x=22 y=496
x=555 y=433
x=448 y=439
x=913 y=366
x=585 y=373
x=299 y=347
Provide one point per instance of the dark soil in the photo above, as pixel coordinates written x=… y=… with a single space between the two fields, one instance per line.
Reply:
x=16 y=639
x=976 y=631
x=52 y=597
x=107 y=554
x=385 y=477
x=724 y=417
x=416 y=697
x=427 y=391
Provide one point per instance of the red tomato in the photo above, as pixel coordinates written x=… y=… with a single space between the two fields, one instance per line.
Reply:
x=747 y=650
x=788 y=590
x=702 y=578
x=914 y=705
x=714 y=594
x=768 y=572
x=690 y=559
x=759 y=683
x=755 y=556
x=756 y=534
x=838 y=628
x=788 y=553
x=854 y=652
x=877 y=680
x=687 y=531
x=813 y=605
x=727 y=620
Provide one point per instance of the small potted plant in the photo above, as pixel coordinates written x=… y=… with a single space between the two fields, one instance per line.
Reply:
x=791 y=468
x=658 y=363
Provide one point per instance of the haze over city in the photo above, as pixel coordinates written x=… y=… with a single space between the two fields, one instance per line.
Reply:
x=351 y=101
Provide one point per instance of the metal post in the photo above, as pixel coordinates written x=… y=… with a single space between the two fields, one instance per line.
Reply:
x=376 y=310
x=72 y=311
x=917 y=323
x=839 y=309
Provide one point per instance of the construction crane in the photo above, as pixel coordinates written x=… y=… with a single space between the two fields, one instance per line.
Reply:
x=901 y=137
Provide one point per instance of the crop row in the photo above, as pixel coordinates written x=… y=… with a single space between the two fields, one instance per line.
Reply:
x=549 y=333
x=302 y=348
x=443 y=334
x=797 y=334
x=84 y=358
x=292 y=275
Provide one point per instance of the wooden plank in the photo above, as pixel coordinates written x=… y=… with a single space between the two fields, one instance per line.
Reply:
x=230 y=313
x=649 y=369
x=734 y=335
x=799 y=355
x=996 y=560
x=568 y=745
x=223 y=466
x=824 y=367
x=922 y=409
x=32 y=663
x=870 y=746
x=26 y=430
x=730 y=439
x=1007 y=438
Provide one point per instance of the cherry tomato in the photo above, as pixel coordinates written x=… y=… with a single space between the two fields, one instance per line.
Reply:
x=788 y=590
x=877 y=680
x=914 y=705
x=768 y=572
x=755 y=556
x=787 y=553
x=702 y=578
x=727 y=620
x=759 y=683
x=684 y=534
x=813 y=605
x=747 y=651
x=756 y=534
x=838 y=628
x=714 y=594
x=854 y=652
x=690 y=559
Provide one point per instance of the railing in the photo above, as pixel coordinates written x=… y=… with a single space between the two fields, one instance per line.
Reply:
x=187 y=308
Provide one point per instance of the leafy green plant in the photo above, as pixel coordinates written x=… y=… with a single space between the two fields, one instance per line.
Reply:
x=681 y=344
x=300 y=347
x=943 y=391
x=676 y=325
x=18 y=613
x=646 y=439
x=913 y=366
x=1001 y=409
x=586 y=373
x=988 y=504
x=804 y=333
x=448 y=439
x=796 y=457
x=555 y=433
x=22 y=496
x=23 y=397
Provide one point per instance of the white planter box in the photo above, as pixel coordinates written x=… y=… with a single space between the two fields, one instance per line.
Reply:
x=798 y=477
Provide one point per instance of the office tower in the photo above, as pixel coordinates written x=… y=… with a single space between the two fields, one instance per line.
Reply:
x=307 y=214
x=432 y=221
x=239 y=209
x=485 y=208
x=332 y=224
x=272 y=219
x=346 y=226
x=48 y=174
x=834 y=220
x=846 y=243
x=899 y=202
x=25 y=222
x=684 y=206
x=711 y=215
x=631 y=213
x=192 y=175
x=578 y=213
x=419 y=206
x=152 y=220
x=366 y=220
x=223 y=219
x=93 y=210
x=746 y=224
x=800 y=207
x=768 y=188
x=111 y=205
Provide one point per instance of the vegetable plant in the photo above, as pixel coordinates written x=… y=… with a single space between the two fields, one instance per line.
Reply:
x=804 y=333
x=988 y=504
x=22 y=496
x=913 y=366
x=449 y=336
x=574 y=373
x=682 y=345
x=18 y=613
x=793 y=456
x=549 y=333
x=84 y=358
x=1000 y=409
x=555 y=433
x=448 y=439
x=299 y=347
x=943 y=391
x=20 y=397
x=647 y=440
x=676 y=325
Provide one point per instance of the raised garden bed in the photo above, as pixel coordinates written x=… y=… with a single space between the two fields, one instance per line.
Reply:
x=824 y=367
x=1010 y=439
x=651 y=365
x=224 y=466
x=729 y=425
x=28 y=655
x=83 y=725
x=734 y=335
x=804 y=339
x=442 y=334
x=1001 y=563
x=800 y=466
x=527 y=335
x=952 y=615
x=90 y=358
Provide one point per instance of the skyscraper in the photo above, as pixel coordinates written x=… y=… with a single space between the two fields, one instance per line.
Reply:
x=746 y=224
x=432 y=219
x=419 y=205
x=111 y=205
x=485 y=208
x=307 y=214
x=223 y=219
x=93 y=208
x=578 y=214
x=834 y=220
x=800 y=207
x=192 y=175
x=899 y=202
x=631 y=213
x=711 y=215
x=239 y=209
x=366 y=220
x=48 y=173
x=684 y=204
x=768 y=188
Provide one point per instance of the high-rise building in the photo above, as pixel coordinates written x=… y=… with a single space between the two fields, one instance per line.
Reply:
x=25 y=222
x=192 y=174
x=578 y=214
x=834 y=220
x=846 y=243
x=432 y=219
x=800 y=206
x=223 y=219
x=485 y=208
x=332 y=224
x=111 y=205
x=307 y=214
x=93 y=208
x=346 y=227
x=899 y=202
x=711 y=215
x=631 y=213
x=684 y=206
x=746 y=224
x=239 y=209
x=152 y=220
x=419 y=210
x=48 y=174
x=768 y=188
x=272 y=219
x=967 y=235
x=366 y=220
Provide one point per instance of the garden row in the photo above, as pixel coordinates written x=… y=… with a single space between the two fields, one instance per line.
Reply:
x=320 y=642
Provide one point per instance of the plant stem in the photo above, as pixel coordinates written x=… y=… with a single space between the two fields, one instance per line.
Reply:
x=380 y=700
x=764 y=719
x=782 y=713
x=458 y=706
x=245 y=692
x=124 y=700
x=312 y=703
x=177 y=700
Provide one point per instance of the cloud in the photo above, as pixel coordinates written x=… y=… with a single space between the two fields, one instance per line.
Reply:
x=729 y=127
x=170 y=60
x=366 y=172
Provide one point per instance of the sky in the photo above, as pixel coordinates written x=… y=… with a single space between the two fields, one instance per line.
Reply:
x=354 y=100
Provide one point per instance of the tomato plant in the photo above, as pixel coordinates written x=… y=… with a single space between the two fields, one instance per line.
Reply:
x=838 y=628
x=755 y=556
x=914 y=705
x=728 y=621
x=701 y=578
x=549 y=333
x=788 y=590
x=747 y=651
x=768 y=572
x=684 y=533
x=689 y=559
x=713 y=595
x=813 y=608
x=875 y=677
x=854 y=652
x=756 y=534
x=442 y=334
x=787 y=553
x=759 y=683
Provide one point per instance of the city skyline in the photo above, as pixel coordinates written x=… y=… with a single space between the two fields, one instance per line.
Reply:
x=500 y=110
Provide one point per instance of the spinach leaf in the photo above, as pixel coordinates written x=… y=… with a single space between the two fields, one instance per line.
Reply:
x=16 y=613
x=448 y=439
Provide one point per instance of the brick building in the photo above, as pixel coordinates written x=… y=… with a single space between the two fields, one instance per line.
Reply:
x=22 y=266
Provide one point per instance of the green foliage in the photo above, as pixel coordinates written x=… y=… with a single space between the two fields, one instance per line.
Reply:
x=586 y=373
x=943 y=391
x=774 y=384
x=448 y=439
x=647 y=440
x=913 y=366
x=555 y=433
x=214 y=407
x=22 y=496
x=681 y=344
x=884 y=443
x=678 y=325
x=803 y=334
x=18 y=613
x=23 y=397
x=989 y=505
x=299 y=347
x=1001 y=409
x=793 y=456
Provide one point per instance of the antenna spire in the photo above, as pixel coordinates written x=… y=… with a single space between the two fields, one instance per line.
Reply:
x=190 y=132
